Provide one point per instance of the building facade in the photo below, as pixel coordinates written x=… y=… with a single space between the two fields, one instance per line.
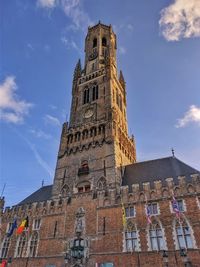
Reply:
x=105 y=209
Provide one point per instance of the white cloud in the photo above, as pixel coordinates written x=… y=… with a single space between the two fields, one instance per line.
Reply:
x=70 y=44
x=192 y=115
x=40 y=134
x=72 y=8
x=11 y=108
x=36 y=154
x=52 y=120
x=181 y=20
x=46 y=3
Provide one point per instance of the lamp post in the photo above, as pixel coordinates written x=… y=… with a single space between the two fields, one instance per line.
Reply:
x=185 y=259
x=165 y=258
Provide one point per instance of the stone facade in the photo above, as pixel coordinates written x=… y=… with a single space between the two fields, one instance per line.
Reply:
x=80 y=219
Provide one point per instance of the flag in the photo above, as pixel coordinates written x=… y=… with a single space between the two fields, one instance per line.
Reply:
x=12 y=228
x=123 y=216
x=175 y=207
x=4 y=263
x=23 y=225
x=148 y=213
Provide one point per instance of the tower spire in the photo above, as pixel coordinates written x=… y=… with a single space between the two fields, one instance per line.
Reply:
x=77 y=70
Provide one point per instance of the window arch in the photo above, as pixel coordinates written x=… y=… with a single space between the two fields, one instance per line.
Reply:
x=86 y=96
x=131 y=238
x=156 y=237
x=104 y=41
x=94 y=42
x=184 y=235
x=5 y=247
x=83 y=187
x=33 y=245
x=21 y=244
x=101 y=183
x=95 y=92
x=64 y=190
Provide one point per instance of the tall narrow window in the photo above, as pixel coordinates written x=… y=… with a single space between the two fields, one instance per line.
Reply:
x=131 y=240
x=21 y=245
x=94 y=42
x=86 y=96
x=55 y=229
x=95 y=92
x=156 y=237
x=33 y=245
x=5 y=247
x=36 y=224
x=104 y=41
x=184 y=238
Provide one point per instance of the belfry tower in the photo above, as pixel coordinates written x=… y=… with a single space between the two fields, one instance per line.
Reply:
x=95 y=143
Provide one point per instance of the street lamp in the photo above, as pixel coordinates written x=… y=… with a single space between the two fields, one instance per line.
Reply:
x=165 y=258
x=185 y=259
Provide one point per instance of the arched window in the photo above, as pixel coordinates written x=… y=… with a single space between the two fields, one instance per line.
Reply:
x=131 y=238
x=65 y=190
x=183 y=234
x=21 y=245
x=83 y=187
x=95 y=92
x=5 y=247
x=33 y=245
x=156 y=237
x=86 y=96
x=101 y=183
x=104 y=41
x=95 y=42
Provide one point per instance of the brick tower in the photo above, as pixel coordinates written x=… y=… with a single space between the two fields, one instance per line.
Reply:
x=95 y=143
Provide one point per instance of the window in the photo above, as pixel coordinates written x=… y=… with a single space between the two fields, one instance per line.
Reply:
x=130 y=211
x=153 y=208
x=21 y=245
x=78 y=249
x=131 y=240
x=184 y=236
x=156 y=237
x=9 y=226
x=86 y=96
x=180 y=205
x=36 y=224
x=107 y=264
x=5 y=247
x=33 y=244
x=95 y=92
x=94 y=42
x=104 y=41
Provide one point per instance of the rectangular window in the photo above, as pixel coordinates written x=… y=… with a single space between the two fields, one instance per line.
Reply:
x=36 y=224
x=107 y=264
x=153 y=208
x=130 y=211
x=180 y=205
x=131 y=241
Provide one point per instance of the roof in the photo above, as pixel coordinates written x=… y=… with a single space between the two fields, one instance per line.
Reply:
x=158 y=169
x=42 y=194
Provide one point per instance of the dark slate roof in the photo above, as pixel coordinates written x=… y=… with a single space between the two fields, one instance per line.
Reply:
x=158 y=169
x=42 y=194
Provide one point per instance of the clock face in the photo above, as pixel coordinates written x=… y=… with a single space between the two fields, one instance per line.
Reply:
x=88 y=113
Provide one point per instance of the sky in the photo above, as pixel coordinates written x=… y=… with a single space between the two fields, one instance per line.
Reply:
x=158 y=50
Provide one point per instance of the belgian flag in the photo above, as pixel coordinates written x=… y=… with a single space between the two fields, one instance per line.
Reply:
x=23 y=225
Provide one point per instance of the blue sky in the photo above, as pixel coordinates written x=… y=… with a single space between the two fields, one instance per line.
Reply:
x=40 y=43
